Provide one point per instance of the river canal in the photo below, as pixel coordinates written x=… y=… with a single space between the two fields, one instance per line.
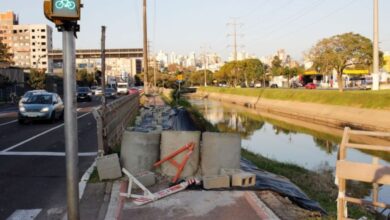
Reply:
x=282 y=141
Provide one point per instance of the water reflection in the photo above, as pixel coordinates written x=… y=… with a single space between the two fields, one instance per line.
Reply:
x=282 y=141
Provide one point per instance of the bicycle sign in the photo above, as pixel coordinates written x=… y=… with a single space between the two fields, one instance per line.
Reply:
x=65 y=4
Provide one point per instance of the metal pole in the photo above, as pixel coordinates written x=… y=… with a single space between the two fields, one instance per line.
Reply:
x=375 y=85
x=146 y=63
x=71 y=141
x=103 y=56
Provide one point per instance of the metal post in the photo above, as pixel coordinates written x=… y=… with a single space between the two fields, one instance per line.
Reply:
x=71 y=141
x=103 y=56
x=375 y=85
x=145 y=58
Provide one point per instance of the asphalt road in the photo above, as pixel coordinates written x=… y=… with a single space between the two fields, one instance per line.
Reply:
x=32 y=163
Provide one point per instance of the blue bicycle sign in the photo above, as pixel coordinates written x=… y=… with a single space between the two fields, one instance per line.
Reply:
x=65 y=4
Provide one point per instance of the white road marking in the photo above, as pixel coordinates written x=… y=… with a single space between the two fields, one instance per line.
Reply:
x=24 y=214
x=40 y=134
x=51 y=154
x=84 y=179
x=10 y=122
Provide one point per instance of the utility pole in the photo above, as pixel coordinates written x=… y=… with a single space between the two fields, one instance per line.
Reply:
x=103 y=56
x=375 y=85
x=234 y=24
x=146 y=62
x=205 y=61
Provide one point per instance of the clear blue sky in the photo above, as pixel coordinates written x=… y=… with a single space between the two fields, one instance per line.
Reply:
x=184 y=26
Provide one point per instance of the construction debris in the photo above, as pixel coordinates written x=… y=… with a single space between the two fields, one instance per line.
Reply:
x=216 y=182
x=108 y=167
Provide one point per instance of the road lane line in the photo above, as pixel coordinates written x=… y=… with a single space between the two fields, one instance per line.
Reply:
x=85 y=178
x=40 y=134
x=43 y=153
x=10 y=122
x=24 y=214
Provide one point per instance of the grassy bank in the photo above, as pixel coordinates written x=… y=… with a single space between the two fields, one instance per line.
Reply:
x=360 y=99
x=318 y=185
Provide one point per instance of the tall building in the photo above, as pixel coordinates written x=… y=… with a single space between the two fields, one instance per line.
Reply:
x=29 y=44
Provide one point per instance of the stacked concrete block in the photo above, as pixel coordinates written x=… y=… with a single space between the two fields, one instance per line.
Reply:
x=108 y=167
x=147 y=179
x=172 y=141
x=216 y=181
x=139 y=151
x=220 y=150
x=243 y=179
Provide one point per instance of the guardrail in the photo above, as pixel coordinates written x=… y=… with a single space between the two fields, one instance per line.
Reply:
x=373 y=173
x=113 y=119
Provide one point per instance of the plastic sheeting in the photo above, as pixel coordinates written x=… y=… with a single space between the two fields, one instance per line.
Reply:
x=280 y=185
x=181 y=121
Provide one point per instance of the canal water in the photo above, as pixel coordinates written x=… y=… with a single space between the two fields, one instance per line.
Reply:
x=281 y=141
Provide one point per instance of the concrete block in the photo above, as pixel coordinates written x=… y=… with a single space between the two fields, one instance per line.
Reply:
x=147 y=179
x=230 y=172
x=220 y=150
x=173 y=140
x=139 y=151
x=108 y=167
x=216 y=181
x=243 y=179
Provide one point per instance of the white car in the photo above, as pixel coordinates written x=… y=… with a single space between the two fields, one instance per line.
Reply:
x=30 y=93
x=98 y=91
x=123 y=88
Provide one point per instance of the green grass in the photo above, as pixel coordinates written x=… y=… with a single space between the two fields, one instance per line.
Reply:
x=361 y=99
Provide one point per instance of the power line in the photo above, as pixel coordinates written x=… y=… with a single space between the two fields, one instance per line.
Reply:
x=235 y=25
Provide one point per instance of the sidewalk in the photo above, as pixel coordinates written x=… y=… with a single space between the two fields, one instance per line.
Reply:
x=190 y=205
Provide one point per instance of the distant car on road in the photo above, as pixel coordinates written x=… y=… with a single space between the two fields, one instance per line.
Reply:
x=274 y=86
x=93 y=89
x=29 y=94
x=98 y=91
x=123 y=88
x=84 y=94
x=310 y=86
x=257 y=85
x=110 y=93
x=41 y=106
x=133 y=91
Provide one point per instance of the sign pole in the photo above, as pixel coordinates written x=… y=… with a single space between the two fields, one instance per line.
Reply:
x=71 y=140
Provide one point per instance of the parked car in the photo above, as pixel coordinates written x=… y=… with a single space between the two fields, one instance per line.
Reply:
x=98 y=91
x=29 y=94
x=41 y=106
x=274 y=86
x=257 y=85
x=84 y=94
x=110 y=93
x=93 y=89
x=310 y=86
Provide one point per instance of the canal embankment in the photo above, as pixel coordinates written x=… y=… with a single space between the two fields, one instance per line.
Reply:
x=364 y=117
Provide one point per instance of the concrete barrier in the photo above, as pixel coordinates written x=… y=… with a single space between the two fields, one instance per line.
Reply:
x=220 y=150
x=139 y=151
x=173 y=140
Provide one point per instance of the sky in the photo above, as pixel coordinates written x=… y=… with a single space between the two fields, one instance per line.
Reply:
x=186 y=26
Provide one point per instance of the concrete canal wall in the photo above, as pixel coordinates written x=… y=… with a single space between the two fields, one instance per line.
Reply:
x=329 y=115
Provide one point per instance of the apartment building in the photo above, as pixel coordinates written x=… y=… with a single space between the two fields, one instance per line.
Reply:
x=29 y=43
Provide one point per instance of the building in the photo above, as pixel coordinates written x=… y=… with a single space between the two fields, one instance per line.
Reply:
x=29 y=44
x=118 y=61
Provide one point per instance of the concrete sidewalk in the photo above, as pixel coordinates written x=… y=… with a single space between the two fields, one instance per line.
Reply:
x=190 y=205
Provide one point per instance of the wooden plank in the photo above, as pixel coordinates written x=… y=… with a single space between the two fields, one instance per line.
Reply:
x=342 y=151
x=370 y=133
x=368 y=147
x=366 y=202
x=363 y=172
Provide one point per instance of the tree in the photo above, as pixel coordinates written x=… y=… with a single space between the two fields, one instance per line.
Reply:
x=5 y=56
x=84 y=78
x=276 y=68
x=340 y=52
x=37 y=79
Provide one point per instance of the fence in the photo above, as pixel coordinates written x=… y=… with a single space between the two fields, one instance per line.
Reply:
x=370 y=173
x=113 y=119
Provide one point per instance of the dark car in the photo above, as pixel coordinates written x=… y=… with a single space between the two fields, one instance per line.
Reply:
x=274 y=86
x=41 y=106
x=84 y=94
x=310 y=86
x=110 y=93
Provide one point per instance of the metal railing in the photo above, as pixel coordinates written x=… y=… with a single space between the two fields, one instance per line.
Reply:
x=374 y=173
x=113 y=119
